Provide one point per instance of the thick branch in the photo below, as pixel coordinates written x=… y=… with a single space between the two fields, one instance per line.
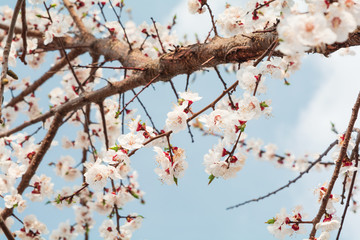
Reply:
x=35 y=162
x=184 y=60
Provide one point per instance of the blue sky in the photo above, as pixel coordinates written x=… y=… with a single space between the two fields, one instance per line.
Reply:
x=323 y=90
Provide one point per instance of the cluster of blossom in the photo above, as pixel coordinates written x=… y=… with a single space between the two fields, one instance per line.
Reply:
x=32 y=229
x=109 y=232
x=172 y=164
x=177 y=119
x=330 y=222
x=104 y=202
x=37 y=19
x=325 y=22
x=257 y=15
x=284 y=224
x=13 y=164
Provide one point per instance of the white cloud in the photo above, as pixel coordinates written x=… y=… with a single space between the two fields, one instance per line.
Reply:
x=332 y=101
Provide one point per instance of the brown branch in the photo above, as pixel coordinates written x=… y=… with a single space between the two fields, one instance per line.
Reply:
x=30 y=33
x=335 y=175
x=6 y=230
x=80 y=25
x=23 y=32
x=103 y=119
x=6 y=51
x=290 y=182
x=35 y=162
x=185 y=60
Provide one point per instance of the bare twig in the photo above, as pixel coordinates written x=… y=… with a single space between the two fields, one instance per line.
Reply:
x=122 y=26
x=290 y=182
x=212 y=19
x=158 y=36
x=103 y=119
x=148 y=84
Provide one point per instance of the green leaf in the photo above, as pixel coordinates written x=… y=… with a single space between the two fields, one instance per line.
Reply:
x=134 y=194
x=242 y=127
x=264 y=105
x=211 y=178
x=271 y=221
x=115 y=148
x=175 y=180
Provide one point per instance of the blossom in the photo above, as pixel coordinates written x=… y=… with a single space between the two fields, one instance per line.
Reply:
x=32 y=227
x=96 y=175
x=232 y=21
x=42 y=187
x=64 y=168
x=299 y=32
x=195 y=6
x=341 y=22
x=131 y=141
x=64 y=231
x=329 y=223
x=133 y=222
x=176 y=120
x=172 y=165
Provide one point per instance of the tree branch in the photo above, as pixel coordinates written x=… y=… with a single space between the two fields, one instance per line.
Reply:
x=335 y=175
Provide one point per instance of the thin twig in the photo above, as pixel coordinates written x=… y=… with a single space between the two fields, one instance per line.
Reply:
x=212 y=19
x=128 y=68
x=148 y=84
x=224 y=83
x=174 y=89
x=146 y=112
x=187 y=82
x=290 y=182
x=157 y=33
x=103 y=119
x=122 y=26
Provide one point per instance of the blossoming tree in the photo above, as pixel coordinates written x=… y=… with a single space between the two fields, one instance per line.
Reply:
x=265 y=39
